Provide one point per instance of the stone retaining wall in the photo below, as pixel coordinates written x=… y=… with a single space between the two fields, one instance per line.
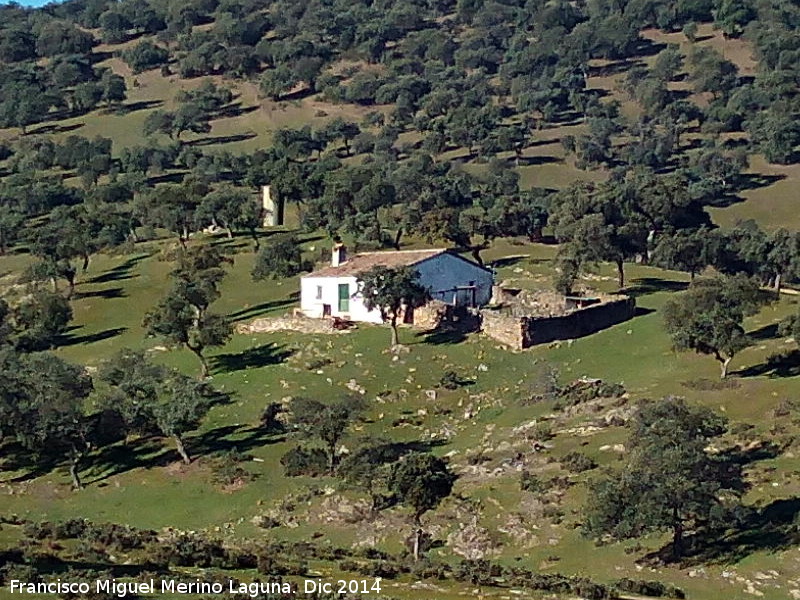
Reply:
x=524 y=332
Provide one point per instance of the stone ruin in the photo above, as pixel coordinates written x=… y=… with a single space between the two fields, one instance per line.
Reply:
x=521 y=319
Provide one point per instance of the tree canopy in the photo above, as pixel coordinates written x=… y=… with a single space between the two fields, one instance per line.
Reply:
x=708 y=318
x=670 y=481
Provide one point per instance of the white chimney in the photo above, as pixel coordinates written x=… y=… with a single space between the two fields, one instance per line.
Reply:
x=338 y=255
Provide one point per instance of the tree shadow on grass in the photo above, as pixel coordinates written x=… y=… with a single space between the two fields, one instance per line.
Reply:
x=644 y=286
x=772 y=528
x=231 y=437
x=61 y=566
x=786 y=364
x=107 y=294
x=221 y=139
x=131 y=107
x=235 y=109
x=532 y=161
x=16 y=458
x=90 y=338
x=752 y=181
x=260 y=356
x=509 y=261
x=443 y=336
x=767 y=332
x=120 y=272
x=116 y=459
x=55 y=128
x=259 y=309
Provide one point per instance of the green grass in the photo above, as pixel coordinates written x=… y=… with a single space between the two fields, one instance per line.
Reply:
x=148 y=490
x=256 y=369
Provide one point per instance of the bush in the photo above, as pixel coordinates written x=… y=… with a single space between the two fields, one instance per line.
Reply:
x=190 y=550
x=528 y=482
x=586 y=390
x=383 y=569
x=305 y=461
x=269 y=417
x=654 y=589
x=119 y=537
x=542 y=432
x=577 y=462
x=145 y=55
x=70 y=529
x=451 y=380
x=227 y=469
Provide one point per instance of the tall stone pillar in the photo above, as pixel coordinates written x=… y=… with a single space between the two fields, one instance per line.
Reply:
x=270 y=204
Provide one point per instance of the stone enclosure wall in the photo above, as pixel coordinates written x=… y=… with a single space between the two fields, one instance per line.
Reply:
x=522 y=332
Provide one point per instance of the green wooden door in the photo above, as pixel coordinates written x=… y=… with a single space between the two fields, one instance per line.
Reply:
x=344 y=297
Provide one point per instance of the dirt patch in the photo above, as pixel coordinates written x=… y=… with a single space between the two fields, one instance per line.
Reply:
x=289 y=323
x=182 y=470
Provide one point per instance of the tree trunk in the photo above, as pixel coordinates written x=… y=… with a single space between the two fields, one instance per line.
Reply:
x=677 y=536
x=476 y=254
x=280 y=207
x=256 y=243
x=621 y=273
x=397 y=237
x=393 y=323
x=73 y=472
x=724 y=369
x=778 y=281
x=85 y=265
x=198 y=352
x=229 y=232
x=71 y=290
x=417 y=537
x=332 y=458
x=182 y=450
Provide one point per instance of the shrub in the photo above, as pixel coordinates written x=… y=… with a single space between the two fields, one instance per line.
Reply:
x=227 y=469
x=542 y=432
x=145 y=55
x=528 y=482
x=449 y=381
x=305 y=461
x=577 y=462
x=654 y=589
x=383 y=569
x=120 y=537
x=70 y=529
x=586 y=390
x=190 y=550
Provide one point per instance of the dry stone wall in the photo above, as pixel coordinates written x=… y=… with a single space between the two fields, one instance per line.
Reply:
x=526 y=331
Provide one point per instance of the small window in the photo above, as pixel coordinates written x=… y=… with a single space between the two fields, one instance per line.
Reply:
x=319 y=292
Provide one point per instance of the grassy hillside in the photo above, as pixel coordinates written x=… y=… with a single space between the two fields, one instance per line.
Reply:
x=485 y=419
x=254 y=119
x=497 y=426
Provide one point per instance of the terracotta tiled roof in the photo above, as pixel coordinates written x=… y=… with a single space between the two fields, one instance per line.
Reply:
x=366 y=260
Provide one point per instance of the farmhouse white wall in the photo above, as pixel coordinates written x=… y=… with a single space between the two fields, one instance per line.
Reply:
x=313 y=307
x=442 y=274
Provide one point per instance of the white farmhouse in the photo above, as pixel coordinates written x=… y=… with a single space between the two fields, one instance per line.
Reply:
x=333 y=291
